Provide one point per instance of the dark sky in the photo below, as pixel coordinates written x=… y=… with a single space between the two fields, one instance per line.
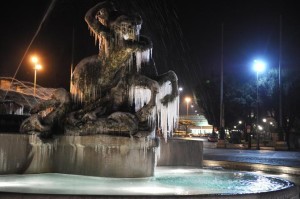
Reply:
x=186 y=37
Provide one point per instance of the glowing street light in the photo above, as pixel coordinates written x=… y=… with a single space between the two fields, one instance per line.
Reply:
x=37 y=66
x=34 y=59
x=187 y=100
x=258 y=66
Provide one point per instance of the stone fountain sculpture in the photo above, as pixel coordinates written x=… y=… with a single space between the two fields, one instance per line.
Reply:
x=116 y=104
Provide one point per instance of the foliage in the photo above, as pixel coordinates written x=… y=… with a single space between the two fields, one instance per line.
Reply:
x=186 y=122
x=240 y=99
x=207 y=96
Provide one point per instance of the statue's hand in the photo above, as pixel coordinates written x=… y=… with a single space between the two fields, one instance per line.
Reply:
x=34 y=110
x=73 y=120
x=166 y=99
x=141 y=114
x=91 y=116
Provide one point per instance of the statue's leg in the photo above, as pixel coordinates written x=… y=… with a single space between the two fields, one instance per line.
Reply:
x=33 y=124
x=152 y=85
x=172 y=77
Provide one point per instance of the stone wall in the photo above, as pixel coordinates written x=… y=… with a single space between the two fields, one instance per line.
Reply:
x=97 y=155
x=181 y=152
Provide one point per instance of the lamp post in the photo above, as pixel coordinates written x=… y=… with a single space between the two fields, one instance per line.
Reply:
x=187 y=100
x=259 y=66
x=36 y=67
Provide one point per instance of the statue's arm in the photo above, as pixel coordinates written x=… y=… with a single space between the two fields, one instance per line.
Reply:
x=93 y=22
x=172 y=77
x=43 y=105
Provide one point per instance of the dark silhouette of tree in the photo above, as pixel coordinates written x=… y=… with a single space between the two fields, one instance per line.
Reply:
x=186 y=124
x=207 y=97
x=291 y=103
x=240 y=99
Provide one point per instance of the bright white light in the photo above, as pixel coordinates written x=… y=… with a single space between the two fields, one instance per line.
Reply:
x=260 y=128
x=38 y=67
x=180 y=88
x=34 y=59
x=259 y=66
x=187 y=99
x=264 y=120
x=240 y=122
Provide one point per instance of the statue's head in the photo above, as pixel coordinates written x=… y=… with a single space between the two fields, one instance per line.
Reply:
x=124 y=26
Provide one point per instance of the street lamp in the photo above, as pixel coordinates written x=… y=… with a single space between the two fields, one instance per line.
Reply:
x=37 y=66
x=259 y=67
x=187 y=100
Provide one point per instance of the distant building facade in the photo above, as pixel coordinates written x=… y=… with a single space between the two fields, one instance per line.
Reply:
x=199 y=126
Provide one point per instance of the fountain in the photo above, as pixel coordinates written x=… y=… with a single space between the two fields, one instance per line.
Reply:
x=100 y=141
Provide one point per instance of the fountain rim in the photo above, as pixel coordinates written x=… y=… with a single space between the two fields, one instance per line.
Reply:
x=291 y=189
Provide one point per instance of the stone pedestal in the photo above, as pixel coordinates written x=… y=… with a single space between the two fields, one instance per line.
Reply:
x=96 y=155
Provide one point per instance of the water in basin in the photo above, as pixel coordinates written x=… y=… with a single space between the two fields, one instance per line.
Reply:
x=167 y=181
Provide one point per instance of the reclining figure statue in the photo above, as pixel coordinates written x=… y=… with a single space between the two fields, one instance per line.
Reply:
x=118 y=91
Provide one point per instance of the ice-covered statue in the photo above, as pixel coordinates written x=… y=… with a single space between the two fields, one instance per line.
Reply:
x=117 y=91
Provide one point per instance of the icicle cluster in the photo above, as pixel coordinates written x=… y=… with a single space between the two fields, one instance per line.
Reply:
x=91 y=93
x=11 y=108
x=77 y=95
x=166 y=115
x=143 y=57
x=139 y=96
x=102 y=41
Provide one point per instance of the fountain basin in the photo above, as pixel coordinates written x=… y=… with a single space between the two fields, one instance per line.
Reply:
x=168 y=182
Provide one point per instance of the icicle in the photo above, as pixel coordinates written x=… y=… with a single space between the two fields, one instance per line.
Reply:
x=138 y=58
x=167 y=115
x=139 y=96
x=137 y=31
x=142 y=57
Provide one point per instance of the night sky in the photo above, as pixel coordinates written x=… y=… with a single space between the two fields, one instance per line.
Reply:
x=186 y=37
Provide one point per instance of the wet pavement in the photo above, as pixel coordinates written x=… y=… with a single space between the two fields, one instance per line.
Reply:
x=275 y=158
x=280 y=164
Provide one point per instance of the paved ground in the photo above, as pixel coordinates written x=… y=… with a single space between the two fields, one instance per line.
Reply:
x=282 y=164
x=276 y=158
x=267 y=157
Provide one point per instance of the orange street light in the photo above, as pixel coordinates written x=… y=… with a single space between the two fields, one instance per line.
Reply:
x=187 y=100
x=37 y=66
x=34 y=59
